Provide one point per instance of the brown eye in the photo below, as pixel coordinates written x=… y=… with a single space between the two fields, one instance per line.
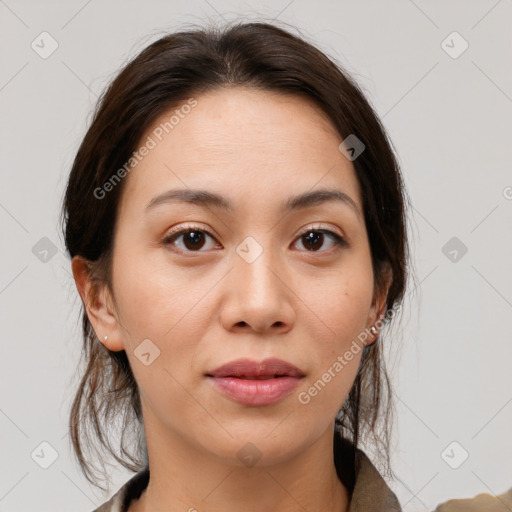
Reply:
x=313 y=239
x=193 y=239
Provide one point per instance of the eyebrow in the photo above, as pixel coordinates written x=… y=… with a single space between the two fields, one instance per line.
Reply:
x=293 y=203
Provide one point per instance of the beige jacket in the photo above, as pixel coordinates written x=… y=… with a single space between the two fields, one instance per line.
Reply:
x=480 y=503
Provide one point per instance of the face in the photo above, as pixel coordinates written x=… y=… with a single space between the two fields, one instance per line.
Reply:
x=257 y=280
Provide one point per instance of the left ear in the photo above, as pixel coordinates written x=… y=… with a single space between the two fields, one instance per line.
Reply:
x=378 y=307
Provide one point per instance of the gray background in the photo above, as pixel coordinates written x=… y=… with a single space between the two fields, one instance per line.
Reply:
x=450 y=120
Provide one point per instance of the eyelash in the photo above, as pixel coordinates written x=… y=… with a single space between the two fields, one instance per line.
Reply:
x=170 y=237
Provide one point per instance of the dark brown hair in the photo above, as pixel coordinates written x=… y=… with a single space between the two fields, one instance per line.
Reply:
x=167 y=72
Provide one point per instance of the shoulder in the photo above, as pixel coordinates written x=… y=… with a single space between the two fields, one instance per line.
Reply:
x=131 y=490
x=368 y=489
x=371 y=492
x=114 y=504
x=480 y=503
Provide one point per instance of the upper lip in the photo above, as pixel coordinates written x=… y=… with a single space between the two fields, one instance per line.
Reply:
x=251 y=368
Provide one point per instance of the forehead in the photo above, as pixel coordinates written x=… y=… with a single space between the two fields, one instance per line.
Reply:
x=241 y=142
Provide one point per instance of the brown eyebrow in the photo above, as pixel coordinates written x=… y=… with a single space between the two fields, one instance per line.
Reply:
x=206 y=198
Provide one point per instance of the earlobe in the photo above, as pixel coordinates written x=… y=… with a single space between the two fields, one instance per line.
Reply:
x=98 y=305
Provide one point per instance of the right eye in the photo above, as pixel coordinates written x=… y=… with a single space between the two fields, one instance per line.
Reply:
x=193 y=238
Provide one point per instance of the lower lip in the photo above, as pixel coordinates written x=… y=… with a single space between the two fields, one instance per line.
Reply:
x=255 y=392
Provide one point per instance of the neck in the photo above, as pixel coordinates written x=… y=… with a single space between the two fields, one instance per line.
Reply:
x=183 y=478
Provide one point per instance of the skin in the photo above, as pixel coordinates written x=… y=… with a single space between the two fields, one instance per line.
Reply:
x=208 y=306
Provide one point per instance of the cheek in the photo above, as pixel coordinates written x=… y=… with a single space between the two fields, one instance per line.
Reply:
x=324 y=393
x=155 y=299
x=161 y=313
x=341 y=303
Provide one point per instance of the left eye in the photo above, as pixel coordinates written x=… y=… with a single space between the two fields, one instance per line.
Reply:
x=315 y=238
x=194 y=239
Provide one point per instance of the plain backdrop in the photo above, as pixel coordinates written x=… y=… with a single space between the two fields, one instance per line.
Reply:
x=439 y=75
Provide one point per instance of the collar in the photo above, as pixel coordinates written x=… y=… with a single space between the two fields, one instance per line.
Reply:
x=368 y=490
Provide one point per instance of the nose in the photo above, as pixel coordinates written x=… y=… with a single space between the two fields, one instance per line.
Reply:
x=258 y=296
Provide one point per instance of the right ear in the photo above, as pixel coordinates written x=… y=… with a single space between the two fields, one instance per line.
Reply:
x=98 y=304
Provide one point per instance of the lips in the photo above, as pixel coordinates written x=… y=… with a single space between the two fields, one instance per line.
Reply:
x=256 y=384
x=253 y=370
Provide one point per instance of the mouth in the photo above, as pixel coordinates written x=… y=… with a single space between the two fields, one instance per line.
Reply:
x=256 y=384
x=249 y=369
x=260 y=391
x=246 y=377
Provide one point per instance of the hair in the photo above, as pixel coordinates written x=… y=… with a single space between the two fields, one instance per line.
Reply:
x=163 y=75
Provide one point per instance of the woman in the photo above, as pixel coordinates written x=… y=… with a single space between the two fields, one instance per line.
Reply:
x=235 y=217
